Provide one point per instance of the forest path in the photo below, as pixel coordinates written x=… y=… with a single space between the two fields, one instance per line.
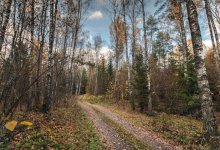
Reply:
x=148 y=138
x=107 y=133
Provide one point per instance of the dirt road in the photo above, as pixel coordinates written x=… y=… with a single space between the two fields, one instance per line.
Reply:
x=112 y=138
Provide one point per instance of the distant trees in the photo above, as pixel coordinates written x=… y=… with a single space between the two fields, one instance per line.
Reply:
x=213 y=33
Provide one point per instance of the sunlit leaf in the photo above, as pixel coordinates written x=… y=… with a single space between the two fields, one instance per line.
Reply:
x=26 y=123
x=11 y=125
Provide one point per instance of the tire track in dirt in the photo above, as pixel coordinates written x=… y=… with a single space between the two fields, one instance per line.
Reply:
x=144 y=136
x=107 y=133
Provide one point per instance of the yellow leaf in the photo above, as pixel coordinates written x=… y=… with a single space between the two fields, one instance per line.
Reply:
x=11 y=125
x=26 y=123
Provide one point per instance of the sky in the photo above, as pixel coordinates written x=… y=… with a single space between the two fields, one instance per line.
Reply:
x=99 y=19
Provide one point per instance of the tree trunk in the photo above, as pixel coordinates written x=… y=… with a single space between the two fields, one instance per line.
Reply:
x=183 y=38
x=147 y=59
x=210 y=17
x=7 y=8
x=126 y=50
x=31 y=55
x=40 y=52
x=75 y=38
x=133 y=27
x=96 y=73
x=212 y=27
x=209 y=120
x=50 y=54
x=116 y=91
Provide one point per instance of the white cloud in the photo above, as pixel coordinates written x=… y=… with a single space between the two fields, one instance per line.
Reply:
x=96 y=15
x=106 y=52
x=207 y=43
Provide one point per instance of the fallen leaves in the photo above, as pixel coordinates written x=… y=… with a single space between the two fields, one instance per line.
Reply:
x=26 y=123
x=11 y=125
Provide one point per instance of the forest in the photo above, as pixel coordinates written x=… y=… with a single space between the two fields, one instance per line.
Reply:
x=110 y=74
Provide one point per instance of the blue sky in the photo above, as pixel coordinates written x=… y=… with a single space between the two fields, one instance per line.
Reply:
x=99 y=18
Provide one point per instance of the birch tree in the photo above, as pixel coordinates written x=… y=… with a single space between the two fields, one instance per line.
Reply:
x=209 y=119
x=124 y=11
x=53 y=12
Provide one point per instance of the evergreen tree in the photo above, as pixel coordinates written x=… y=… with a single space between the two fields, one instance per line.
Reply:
x=102 y=75
x=110 y=71
x=110 y=78
x=140 y=82
x=187 y=92
x=84 y=81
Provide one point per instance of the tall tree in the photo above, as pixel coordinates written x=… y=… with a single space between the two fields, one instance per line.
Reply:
x=53 y=12
x=185 y=49
x=32 y=12
x=124 y=2
x=41 y=38
x=208 y=116
x=76 y=21
x=146 y=57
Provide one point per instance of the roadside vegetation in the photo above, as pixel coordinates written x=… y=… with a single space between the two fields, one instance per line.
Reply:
x=182 y=130
x=65 y=127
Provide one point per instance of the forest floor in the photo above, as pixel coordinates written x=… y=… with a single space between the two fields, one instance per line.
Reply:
x=65 y=127
x=95 y=123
